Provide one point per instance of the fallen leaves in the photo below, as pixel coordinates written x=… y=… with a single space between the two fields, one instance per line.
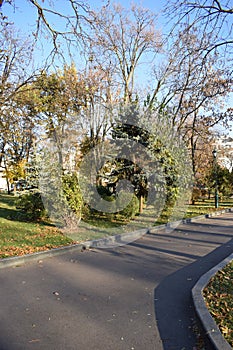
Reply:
x=9 y=251
x=37 y=243
x=34 y=341
x=218 y=295
x=18 y=237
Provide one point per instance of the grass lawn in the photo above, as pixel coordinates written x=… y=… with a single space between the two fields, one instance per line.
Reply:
x=218 y=295
x=18 y=237
x=207 y=206
x=202 y=207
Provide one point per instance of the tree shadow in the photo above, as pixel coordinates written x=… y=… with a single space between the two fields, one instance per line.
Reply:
x=7 y=199
x=167 y=251
x=174 y=309
x=18 y=215
x=9 y=214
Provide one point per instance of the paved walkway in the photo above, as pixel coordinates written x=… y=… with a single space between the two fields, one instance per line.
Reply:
x=129 y=298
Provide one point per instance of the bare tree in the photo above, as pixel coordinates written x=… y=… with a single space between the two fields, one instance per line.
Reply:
x=193 y=90
x=117 y=39
x=15 y=58
x=187 y=82
x=120 y=41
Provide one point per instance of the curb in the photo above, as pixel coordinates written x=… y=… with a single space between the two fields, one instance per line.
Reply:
x=207 y=216
x=108 y=242
x=188 y=220
x=16 y=261
x=120 y=239
x=208 y=323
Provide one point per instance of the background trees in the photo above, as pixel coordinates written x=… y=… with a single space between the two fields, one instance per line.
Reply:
x=209 y=49
x=107 y=52
x=15 y=55
x=16 y=126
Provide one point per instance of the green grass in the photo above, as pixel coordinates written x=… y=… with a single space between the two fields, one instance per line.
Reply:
x=218 y=295
x=202 y=207
x=207 y=206
x=18 y=237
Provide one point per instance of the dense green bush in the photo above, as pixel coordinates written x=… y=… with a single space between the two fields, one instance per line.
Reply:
x=32 y=205
x=72 y=192
x=130 y=210
x=104 y=192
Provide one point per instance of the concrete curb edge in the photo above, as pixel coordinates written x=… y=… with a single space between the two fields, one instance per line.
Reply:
x=108 y=242
x=20 y=260
x=208 y=323
x=120 y=239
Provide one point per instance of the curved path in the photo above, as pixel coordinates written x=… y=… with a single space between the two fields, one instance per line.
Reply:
x=129 y=298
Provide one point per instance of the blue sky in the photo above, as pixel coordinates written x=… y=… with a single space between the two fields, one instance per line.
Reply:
x=24 y=16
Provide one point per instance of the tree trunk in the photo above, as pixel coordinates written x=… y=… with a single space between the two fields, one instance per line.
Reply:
x=141 y=204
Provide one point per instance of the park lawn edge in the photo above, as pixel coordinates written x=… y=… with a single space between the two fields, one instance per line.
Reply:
x=19 y=237
x=218 y=296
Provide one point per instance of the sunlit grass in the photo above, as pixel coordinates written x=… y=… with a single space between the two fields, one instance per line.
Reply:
x=202 y=207
x=18 y=237
x=207 y=206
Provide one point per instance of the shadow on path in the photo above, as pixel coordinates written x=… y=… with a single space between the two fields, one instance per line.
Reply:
x=174 y=310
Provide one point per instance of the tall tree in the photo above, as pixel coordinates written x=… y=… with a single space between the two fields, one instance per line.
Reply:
x=212 y=22
x=53 y=99
x=187 y=81
x=18 y=140
x=193 y=90
x=120 y=42
x=66 y=105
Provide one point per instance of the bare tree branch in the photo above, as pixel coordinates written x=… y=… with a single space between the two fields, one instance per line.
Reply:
x=62 y=29
x=209 y=16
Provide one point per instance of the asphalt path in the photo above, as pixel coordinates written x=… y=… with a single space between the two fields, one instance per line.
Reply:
x=134 y=297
